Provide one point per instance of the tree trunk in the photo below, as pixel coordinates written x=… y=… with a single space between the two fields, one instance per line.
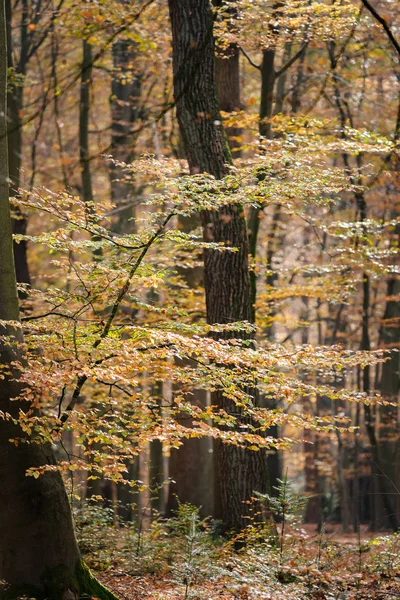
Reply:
x=267 y=91
x=14 y=127
x=227 y=75
x=193 y=460
x=84 y=110
x=389 y=388
x=38 y=551
x=238 y=472
x=384 y=484
x=281 y=85
x=125 y=111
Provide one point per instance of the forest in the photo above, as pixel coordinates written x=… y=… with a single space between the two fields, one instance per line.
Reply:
x=199 y=299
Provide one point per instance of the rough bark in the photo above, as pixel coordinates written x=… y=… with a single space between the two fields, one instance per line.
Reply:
x=390 y=388
x=238 y=472
x=383 y=482
x=36 y=525
x=38 y=550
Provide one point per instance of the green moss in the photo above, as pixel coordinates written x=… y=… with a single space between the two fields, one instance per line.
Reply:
x=57 y=581
x=89 y=586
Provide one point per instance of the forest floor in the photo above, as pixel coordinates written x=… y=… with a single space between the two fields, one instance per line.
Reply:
x=181 y=559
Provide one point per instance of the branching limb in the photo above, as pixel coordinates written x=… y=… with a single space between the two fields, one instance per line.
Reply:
x=383 y=22
x=291 y=61
x=253 y=64
x=124 y=290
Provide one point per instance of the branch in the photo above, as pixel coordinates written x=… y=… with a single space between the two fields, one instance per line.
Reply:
x=97 y=56
x=384 y=24
x=124 y=290
x=291 y=61
x=253 y=64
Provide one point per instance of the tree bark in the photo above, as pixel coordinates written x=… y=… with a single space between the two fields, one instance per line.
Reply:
x=125 y=112
x=384 y=484
x=38 y=549
x=84 y=111
x=14 y=128
x=36 y=524
x=193 y=460
x=390 y=387
x=227 y=74
x=267 y=91
x=239 y=472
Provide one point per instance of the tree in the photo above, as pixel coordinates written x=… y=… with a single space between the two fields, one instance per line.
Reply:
x=239 y=472
x=125 y=113
x=14 y=112
x=38 y=550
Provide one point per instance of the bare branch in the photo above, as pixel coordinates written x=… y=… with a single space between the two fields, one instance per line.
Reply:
x=253 y=64
x=124 y=290
x=384 y=24
x=291 y=61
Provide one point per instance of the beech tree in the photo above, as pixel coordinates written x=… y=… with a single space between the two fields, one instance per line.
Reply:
x=124 y=369
x=239 y=472
x=38 y=549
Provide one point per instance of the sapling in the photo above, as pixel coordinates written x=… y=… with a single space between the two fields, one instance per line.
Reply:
x=287 y=506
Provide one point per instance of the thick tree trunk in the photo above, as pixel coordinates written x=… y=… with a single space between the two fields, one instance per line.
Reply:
x=390 y=387
x=38 y=551
x=384 y=484
x=36 y=524
x=238 y=472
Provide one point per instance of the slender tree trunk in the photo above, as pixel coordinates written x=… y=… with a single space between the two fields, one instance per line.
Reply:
x=125 y=112
x=297 y=89
x=268 y=77
x=267 y=92
x=227 y=75
x=281 y=85
x=193 y=461
x=14 y=128
x=264 y=128
x=239 y=472
x=84 y=111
